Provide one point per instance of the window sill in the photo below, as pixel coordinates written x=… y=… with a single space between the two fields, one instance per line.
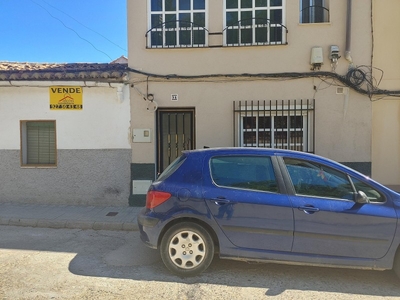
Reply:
x=310 y=24
x=38 y=166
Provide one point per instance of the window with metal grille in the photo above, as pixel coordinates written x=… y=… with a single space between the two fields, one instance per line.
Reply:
x=314 y=11
x=38 y=143
x=177 y=23
x=275 y=124
x=254 y=22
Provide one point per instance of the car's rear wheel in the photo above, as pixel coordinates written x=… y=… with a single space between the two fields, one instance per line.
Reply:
x=187 y=249
x=396 y=264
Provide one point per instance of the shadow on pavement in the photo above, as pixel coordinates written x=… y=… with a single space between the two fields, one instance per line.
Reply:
x=135 y=261
x=121 y=255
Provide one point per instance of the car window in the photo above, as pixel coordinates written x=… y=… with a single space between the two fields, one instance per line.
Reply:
x=248 y=172
x=172 y=167
x=372 y=194
x=314 y=179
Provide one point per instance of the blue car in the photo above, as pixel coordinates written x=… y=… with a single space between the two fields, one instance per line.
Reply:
x=269 y=205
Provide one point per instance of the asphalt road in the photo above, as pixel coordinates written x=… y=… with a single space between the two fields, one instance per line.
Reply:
x=41 y=263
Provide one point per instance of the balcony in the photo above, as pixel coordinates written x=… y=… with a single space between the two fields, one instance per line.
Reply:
x=177 y=34
x=255 y=32
x=184 y=34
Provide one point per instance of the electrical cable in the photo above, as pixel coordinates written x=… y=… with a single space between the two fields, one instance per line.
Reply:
x=356 y=77
x=69 y=28
x=355 y=80
x=85 y=26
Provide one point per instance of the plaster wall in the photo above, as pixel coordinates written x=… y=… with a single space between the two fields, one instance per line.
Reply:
x=343 y=122
x=386 y=110
x=387 y=43
x=103 y=123
x=95 y=177
x=93 y=148
x=294 y=57
x=386 y=141
x=343 y=127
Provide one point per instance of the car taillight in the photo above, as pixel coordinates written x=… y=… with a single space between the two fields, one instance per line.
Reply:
x=155 y=198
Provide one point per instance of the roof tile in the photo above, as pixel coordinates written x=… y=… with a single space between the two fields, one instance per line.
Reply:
x=114 y=72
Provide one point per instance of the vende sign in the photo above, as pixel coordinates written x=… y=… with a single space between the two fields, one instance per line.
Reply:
x=66 y=98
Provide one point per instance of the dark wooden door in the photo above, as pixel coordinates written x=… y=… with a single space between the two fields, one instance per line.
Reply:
x=175 y=133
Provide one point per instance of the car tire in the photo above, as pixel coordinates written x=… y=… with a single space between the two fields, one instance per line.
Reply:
x=187 y=249
x=396 y=263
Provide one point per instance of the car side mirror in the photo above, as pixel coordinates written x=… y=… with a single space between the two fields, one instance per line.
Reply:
x=362 y=198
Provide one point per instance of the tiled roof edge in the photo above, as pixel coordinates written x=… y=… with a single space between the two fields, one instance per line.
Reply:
x=69 y=71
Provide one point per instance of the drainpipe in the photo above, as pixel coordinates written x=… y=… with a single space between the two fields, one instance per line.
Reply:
x=347 y=53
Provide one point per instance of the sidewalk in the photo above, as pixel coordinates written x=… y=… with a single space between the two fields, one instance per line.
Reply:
x=69 y=216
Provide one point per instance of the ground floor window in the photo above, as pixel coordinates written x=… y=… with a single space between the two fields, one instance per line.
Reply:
x=38 y=143
x=275 y=124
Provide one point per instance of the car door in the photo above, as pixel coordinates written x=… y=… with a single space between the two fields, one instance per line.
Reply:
x=327 y=219
x=242 y=194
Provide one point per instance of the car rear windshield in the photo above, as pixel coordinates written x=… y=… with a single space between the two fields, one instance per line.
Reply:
x=172 y=167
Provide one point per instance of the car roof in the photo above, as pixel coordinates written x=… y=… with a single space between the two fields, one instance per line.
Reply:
x=254 y=150
x=271 y=152
x=281 y=152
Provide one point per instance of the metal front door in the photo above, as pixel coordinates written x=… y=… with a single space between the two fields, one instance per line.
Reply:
x=175 y=133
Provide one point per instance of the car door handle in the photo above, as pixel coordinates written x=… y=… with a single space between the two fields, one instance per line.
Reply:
x=308 y=209
x=221 y=201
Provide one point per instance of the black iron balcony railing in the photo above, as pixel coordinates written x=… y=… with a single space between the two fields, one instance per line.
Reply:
x=184 y=34
x=314 y=14
x=177 y=34
x=255 y=31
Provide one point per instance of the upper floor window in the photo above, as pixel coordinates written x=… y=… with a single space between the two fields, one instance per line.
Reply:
x=314 y=11
x=254 y=22
x=177 y=23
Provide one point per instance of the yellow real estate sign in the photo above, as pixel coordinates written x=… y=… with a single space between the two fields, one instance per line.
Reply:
x=66 y=98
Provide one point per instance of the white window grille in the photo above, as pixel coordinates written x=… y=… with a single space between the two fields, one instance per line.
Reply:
x=177 y=23
x=254 y=22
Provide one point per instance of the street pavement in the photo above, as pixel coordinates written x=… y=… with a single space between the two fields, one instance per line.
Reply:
x=69 y=216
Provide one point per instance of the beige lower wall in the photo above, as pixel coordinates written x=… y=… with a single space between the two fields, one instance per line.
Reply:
x=386 y=141
x=343 y=121
x=343 y=126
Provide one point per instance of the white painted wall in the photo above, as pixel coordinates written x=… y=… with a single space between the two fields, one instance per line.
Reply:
x=104 y=122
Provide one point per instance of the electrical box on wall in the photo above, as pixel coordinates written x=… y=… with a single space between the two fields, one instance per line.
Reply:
x=140 y=187
x=141 y=136
x=340 y=90
x=316 y=55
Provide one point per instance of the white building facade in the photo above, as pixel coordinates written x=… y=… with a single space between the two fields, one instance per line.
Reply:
x=64 y=135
